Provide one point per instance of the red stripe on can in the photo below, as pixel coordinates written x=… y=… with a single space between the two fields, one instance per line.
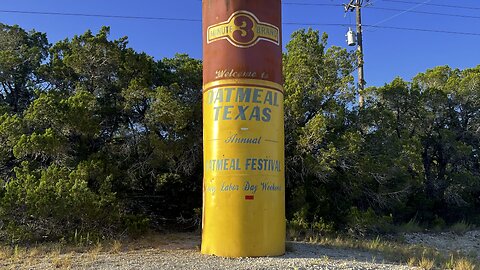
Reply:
x=249 y=197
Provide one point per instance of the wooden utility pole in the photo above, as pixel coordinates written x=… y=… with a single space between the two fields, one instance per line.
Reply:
x=357 y=6
x=361 y=78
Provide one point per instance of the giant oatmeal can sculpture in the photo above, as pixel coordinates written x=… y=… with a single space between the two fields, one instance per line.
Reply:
x=243 y=134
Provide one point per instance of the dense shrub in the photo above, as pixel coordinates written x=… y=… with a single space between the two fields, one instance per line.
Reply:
x=56 y=202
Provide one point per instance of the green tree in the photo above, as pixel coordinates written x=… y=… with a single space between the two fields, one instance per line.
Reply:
x=424 y=134
x=21 y=57
x=449 y=138
x=165 y=171
x=319 y=92
x=132 y=122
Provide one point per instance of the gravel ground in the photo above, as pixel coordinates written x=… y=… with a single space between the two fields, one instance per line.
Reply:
x=304 y=256
x=467 y=243
x=181 y=252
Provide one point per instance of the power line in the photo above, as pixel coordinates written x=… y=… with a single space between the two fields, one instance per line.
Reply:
x=100 y=15
x=388 y=27
x=395 y=1
x=427 y=12
x=400 y=10
x=425 y=30
x=305 y=4
x=403 y=12
x=311 y=4
x=429 y=4
x=199 y=20
x=195 y=20
x=315 y=24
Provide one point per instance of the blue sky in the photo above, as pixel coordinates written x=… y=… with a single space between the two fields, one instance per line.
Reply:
x=388 y=53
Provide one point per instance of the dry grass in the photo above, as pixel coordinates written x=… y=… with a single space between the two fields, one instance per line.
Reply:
x=63 y=261
x=95 y=251
x=413 y=255
x=412 y=261
x=34 y=252
x=64 y=256
x=60 y=256
x=5 y=253
x=426 y=263
x=116 y=247
x=464 y=264
x=450 y=263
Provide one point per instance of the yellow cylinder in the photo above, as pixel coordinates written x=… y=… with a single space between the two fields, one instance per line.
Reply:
x=243 y=134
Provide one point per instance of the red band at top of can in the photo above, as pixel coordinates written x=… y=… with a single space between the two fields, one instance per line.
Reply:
x=242 y=40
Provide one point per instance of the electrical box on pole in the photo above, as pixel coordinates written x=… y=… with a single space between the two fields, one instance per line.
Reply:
x=351 y=37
